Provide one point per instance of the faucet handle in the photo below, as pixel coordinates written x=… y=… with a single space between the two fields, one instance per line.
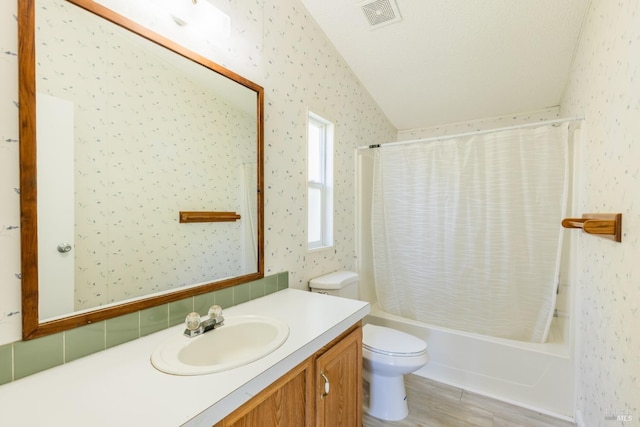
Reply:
x=192 y=321
x=215 y=312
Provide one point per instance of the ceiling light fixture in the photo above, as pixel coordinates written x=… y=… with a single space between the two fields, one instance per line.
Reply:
x=184 y=12
x=202 y=16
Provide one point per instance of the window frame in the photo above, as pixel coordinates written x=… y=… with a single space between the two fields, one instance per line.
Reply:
x=325 y=185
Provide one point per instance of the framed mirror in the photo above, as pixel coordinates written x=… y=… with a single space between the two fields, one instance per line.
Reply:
x=141 y=168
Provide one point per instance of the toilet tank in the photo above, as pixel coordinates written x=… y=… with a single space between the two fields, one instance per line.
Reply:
x=339 y=283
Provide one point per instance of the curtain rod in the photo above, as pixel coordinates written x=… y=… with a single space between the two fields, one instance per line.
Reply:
x=477 y=132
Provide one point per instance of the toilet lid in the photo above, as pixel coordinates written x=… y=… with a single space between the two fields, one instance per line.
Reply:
x=391 y=341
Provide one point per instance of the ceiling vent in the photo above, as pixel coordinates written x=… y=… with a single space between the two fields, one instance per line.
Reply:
x=380 y=13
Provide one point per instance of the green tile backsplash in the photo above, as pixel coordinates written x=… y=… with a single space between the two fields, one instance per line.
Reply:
x=84 y=341
x=283 y=280
x=271 y=284
x=178 y=310
x=224 y=297
x=23 y=358
x=242 y=293
x=257 y=289
x=154 y=319
x=6 y=363
x=202 y=303
x=122 y=329
x=37 y=355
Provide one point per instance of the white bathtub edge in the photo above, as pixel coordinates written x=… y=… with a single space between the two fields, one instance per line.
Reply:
x=545 y=386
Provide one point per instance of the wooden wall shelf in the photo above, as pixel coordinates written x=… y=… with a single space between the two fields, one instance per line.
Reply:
x=604 y=225
x=204 y=216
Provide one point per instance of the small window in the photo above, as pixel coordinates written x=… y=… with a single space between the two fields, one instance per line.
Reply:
x=320 y=182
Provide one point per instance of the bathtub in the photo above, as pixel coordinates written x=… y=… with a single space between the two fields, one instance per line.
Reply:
x=533 y=376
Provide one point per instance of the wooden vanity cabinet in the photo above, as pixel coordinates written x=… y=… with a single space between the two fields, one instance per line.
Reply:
x=338 y=374
x=288 y=402
x=300 y=397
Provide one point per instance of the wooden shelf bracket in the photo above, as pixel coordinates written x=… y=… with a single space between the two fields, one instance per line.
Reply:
x=604 y=225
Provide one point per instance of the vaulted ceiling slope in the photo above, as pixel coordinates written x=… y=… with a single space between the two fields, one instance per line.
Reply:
x=450 y=61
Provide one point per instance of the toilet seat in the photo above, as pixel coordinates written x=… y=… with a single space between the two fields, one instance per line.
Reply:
x=391 y=342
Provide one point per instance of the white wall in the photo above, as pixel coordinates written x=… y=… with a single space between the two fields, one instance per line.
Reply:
x=300 y=69
x=605 y=86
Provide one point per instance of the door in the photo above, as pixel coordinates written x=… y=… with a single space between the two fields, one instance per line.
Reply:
x=55 y=206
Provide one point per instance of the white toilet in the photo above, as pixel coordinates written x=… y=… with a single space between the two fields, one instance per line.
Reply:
x=388 y=354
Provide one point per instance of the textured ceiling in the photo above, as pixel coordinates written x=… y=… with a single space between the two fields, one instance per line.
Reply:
x=448 y=61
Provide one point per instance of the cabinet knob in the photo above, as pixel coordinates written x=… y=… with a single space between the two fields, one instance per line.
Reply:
x=326 y=384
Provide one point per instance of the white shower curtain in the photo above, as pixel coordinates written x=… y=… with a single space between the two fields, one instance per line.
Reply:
x=466 y=232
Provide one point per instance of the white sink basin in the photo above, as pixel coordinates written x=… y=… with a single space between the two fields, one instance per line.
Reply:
x=241 y=340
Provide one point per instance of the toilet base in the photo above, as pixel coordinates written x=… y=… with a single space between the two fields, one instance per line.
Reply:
x=387 y=397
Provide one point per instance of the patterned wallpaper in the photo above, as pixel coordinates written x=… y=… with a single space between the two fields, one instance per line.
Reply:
x=276 y=44
x=299 y=69
x=481 y=124
x=303 y=71
x=605 y=87
x=9 y=183
x=128 y=241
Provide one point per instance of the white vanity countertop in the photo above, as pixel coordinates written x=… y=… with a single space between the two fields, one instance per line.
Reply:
x=119 y=386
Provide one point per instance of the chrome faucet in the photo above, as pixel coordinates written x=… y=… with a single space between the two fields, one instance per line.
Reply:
x=195 y=326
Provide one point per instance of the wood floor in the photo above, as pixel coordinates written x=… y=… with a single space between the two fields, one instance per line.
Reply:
x=433 y=404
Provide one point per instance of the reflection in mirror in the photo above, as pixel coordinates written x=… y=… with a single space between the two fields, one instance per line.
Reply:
x=129 y=134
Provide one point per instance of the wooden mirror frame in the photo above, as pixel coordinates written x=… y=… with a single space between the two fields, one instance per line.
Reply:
x=31 y=326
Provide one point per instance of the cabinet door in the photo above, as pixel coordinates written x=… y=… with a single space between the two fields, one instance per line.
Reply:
x=288 y=402
x=338 y=377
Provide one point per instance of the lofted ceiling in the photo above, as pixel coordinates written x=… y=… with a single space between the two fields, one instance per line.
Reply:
x=449 y=61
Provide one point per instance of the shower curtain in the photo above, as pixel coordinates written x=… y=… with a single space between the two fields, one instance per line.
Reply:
x=466 y=232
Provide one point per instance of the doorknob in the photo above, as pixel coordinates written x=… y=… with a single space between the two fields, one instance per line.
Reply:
x=63 y=248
